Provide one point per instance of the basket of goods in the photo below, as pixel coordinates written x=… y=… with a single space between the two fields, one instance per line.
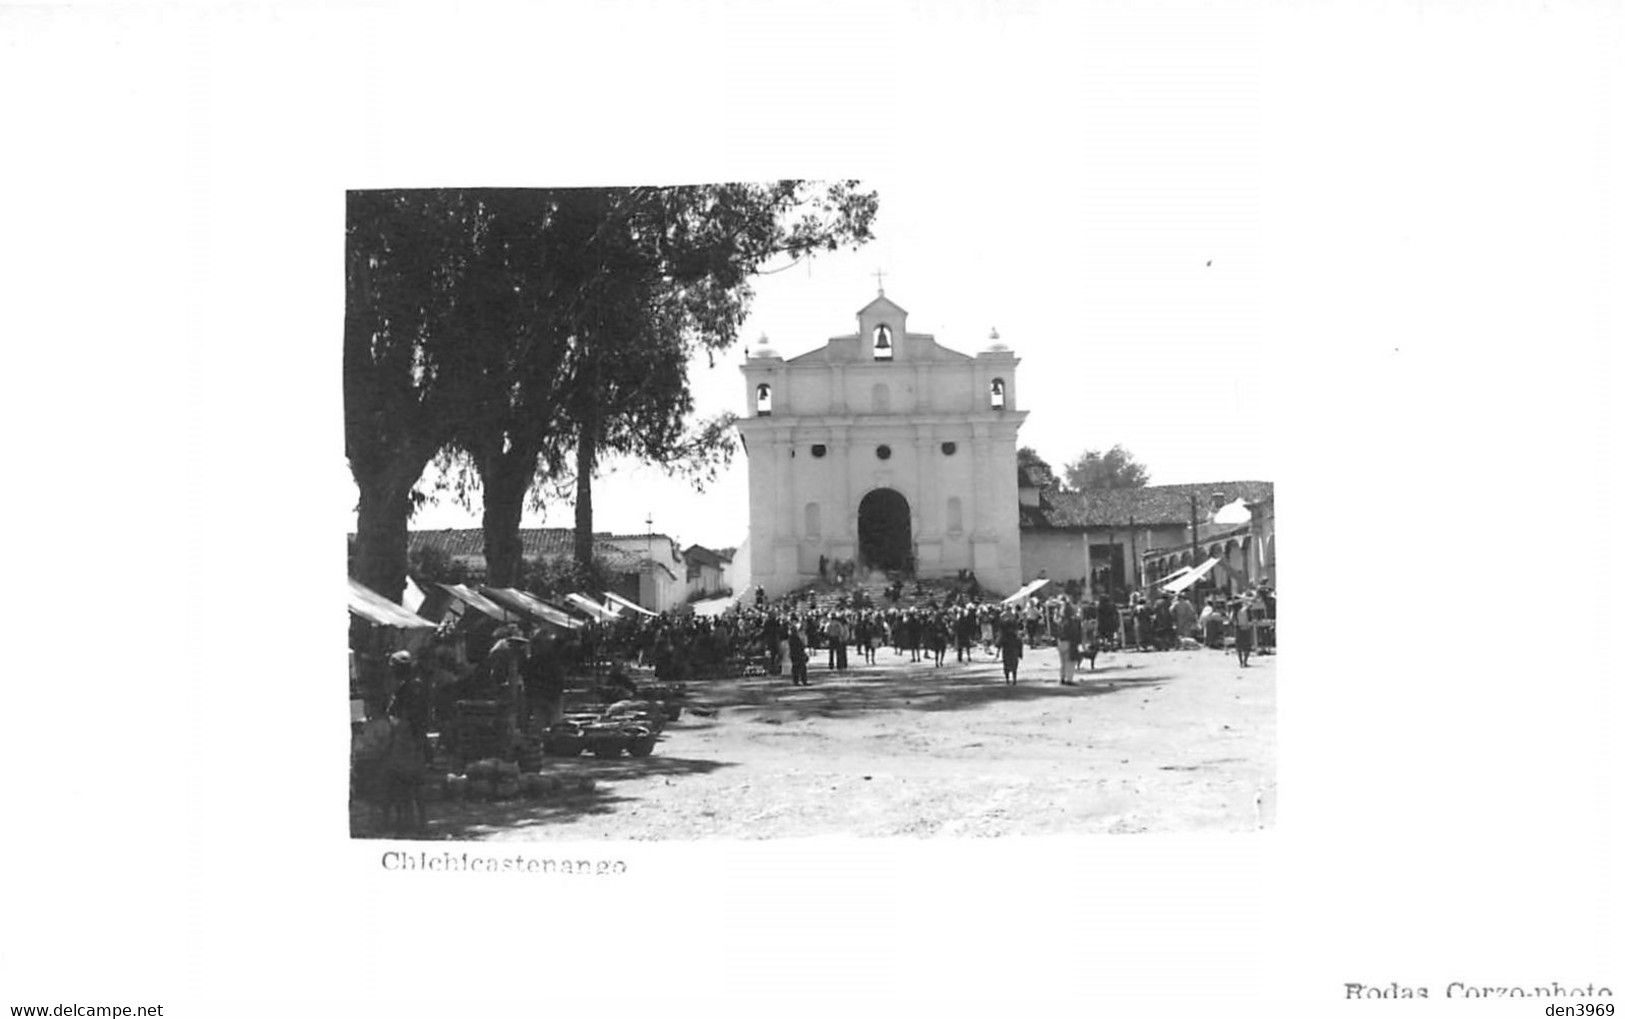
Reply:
x=505 y=783
x=668 y=695
x=484 y=776
x=605 y=739
x=646 y=713
x=564 y=739
x=456 y=787
x=532 y=751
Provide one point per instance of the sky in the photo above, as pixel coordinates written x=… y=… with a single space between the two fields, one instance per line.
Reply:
x=1110 y=233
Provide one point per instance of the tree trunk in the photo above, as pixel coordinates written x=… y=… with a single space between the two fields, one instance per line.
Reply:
x=505 y=480
x=586 y=461
x=380 y=538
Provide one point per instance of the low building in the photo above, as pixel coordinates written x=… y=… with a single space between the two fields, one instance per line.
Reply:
x=640 y=567
x=706 y=571
x=1122 y=540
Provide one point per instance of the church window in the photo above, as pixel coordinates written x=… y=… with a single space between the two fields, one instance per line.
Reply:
x=882 y=398
x=819 y=449
x=883 y=347
x=956 y=516
x=815 y=520
x=996 y=394
x=883 y=451
x=764 y=400
x=950 y=448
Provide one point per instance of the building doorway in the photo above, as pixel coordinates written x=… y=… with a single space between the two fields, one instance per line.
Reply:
x=885 y=535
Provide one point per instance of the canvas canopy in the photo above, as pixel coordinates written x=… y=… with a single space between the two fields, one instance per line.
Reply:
x=611 y=598
x=1170 y=578
x=529 y=607
x=590 y=607
x=478 y=602
x=1026 y=592
x=1190 y=577
x=380 y=611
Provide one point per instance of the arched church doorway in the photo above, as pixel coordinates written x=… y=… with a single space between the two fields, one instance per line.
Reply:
x=885 y=537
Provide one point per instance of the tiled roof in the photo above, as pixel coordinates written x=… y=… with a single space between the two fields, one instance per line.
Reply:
x=535 y=543
x=704 y=556
x=1152 y=506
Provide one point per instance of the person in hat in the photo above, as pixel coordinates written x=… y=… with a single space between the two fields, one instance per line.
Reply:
x=1070 y=644
x=798 y=656
x=409 y=701
x=502 y=667
x=1241 y=616
x=1010 y=645
x=1184 y=615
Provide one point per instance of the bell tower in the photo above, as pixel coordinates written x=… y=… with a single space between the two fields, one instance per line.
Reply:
x=884 y=447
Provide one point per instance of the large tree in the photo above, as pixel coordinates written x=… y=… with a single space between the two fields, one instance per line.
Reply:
x=505 y=327
x=1095 y=471
x=663 y=275
x=407 y=364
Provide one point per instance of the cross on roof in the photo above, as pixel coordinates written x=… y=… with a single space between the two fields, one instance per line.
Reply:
x=880 y=281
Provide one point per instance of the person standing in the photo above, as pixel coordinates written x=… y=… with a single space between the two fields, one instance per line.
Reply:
x=1106 y=621
x=1010 y=645
x=964 y=632
x=544 y=681
x=1163 y=626
x=409 y=701
x=773 y=637
x=838 y=635
x=1070 y=645
x=1241 y=615
x=798 y=657
x=1184 y=616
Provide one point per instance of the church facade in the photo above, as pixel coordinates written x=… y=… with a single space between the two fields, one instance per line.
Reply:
x=885 y=448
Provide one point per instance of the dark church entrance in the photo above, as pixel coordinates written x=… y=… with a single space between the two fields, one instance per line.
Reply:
x=885 y=538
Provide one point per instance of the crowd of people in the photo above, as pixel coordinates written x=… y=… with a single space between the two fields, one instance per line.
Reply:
x=523 y=669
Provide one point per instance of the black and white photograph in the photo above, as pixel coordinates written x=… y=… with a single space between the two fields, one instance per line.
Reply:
x=905 y=620
x=807 y=477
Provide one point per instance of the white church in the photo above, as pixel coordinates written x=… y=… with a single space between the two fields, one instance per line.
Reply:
x=886 y=448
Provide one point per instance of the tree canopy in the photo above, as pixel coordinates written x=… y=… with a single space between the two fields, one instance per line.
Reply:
x=1037 y=468
x=505 y=330
x=1095 y=471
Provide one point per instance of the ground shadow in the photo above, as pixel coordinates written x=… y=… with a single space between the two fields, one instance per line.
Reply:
x=473 y=818
x=952 y=687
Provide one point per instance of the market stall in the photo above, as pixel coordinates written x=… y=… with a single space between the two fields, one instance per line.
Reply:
x=379 y=628
x=592 y=609
x=611 y=598
x=532 y=609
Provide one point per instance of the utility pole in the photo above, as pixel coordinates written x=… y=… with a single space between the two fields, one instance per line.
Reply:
x=1134 y=577
x=1196 y=555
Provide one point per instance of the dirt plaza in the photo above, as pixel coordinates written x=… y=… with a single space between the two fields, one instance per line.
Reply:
x=1168 y=741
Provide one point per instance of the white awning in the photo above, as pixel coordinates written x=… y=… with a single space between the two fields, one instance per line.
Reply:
x=380 y=611
x=480 y=603
x=535 y=608
x=1026 y=592
x=611 y=598
x=1190 y=577
x=1170 y=578
x=590 y=607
